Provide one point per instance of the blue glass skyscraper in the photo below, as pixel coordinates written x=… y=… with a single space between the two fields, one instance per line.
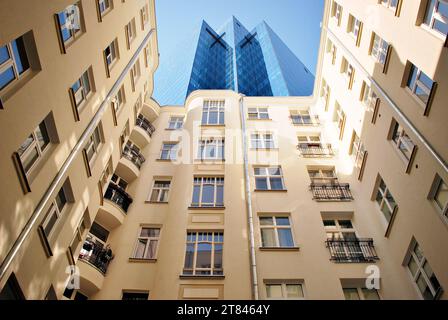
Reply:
x=256 y=63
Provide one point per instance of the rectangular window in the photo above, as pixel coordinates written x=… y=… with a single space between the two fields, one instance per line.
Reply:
x=422 y=274
x=349 y=72
x=323 y=175
x=176 y=122
x=336 y=12
x=14 y=62
x=119 y=99
x=55 y=212
x=402 y=141
x=325 y=94
x=213 y=112
x=340 y=119
x=134 y=296
x=211 y=149
x=385 y=200
x=93 y=144
x=436 y=16
x=359 y=293
x=203 y=254
x=439 y=195
x=303 y=117
x=391 y=4
x=69 y=22
x=104 y=6
x=420 y=84
x=208 y=192
x=284 y=290
x=111 y=54
x=258 y=113
x=379 y=49
x=147 y=243
x=358 y=150
x=135 y=73
x=269 y=178
x=169 y=151
x=131 y=32
x=276 y=232
x=354 y=27
x=33 y=148
x=160 y=191
x=262 y=141
x=81 y=89
x=332 y=50
x=144 y=14
x=368 y=96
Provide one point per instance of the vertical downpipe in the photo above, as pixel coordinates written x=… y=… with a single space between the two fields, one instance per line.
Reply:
x=250 y=218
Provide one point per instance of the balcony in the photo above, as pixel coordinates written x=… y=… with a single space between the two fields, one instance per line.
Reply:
x=352 y=250
x=118 y=196
x=315 y=150
x=333 y=191
x=94 y=260
x=142 y=132
x=151 y=109
x=113 y=211
x=130 y=163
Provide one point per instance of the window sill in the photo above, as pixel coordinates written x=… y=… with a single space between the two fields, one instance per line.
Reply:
x=212 y=125
x=434 y=33
x=213 y=161
x=206 y=208
x=200 y=277
x=165 y=160
x=157 y=202
x=279 y=248
x=172 y=129
x=138 y=260
x=419 y=102
x=268 y=190
x=265 y=149
x=256 y=119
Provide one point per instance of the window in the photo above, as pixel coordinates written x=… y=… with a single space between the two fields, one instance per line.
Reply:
x=402 y=141
x=119 y=181
x=160 y=191
x=131 y=33
x=176 y=122
x=332 y=49
x=135 y=73
x=208 y=192
x=56 y=210
x=358 y=150
x=439 y=195
x=104 y=6
x=354 y=27
x=379 y=49
x=213 y=112
x=336 y=12
x=391 y=4
x=284 y=290
x=111 y=54
x=385 y=200
x=79 y=232
x=211 y=149
x=262 y=140
x=323 y=175
x=119 y=99
x=169 y=151
x=360 y=293
x=147 y=243
x=258 y=113
x=268 y=178
x=303 y=117
x=14 y=62
x=436 y=16
x=348 y=70
x=422 y=274
x=33 y=148
x=203 y=254
x=81 y=89
x=69 y=23
x=147 y=62
x=93 y=144
x=325 y=94
x=129 y=295
x=368 y=96
x=420 y=84
x=12 y=290
x=144 y=13
x=276 y=232
x=339 y=229
x=340 y=119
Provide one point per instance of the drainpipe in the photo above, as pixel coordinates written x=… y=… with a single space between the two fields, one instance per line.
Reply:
x=250 y=218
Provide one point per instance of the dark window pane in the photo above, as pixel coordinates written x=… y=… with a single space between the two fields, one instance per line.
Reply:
x=18 y=48
x=203 y=258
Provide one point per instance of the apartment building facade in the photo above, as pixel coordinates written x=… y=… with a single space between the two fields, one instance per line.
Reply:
x=340 y=195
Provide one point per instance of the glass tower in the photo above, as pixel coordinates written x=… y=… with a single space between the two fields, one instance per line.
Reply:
x=256 y=63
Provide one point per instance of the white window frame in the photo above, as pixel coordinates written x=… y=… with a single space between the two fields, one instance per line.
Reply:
x=119 y=99
x=336 y=12
x=149 y=239
x=176 y=122
x=217 y=106
x=113 y=54
x=262 y=140
x=360 y=292
x=300 y=117
x=418 y=84
x=81 y=95
x=160 y=190
x=217 y=143
x=435 y=15
x=135 y=73
x=255 y=113
x=379 y=49
x=274 y=226
x=108 y=6
x=94 y=143
x=284 y=290
x=144 y=14
x=368 y=97
x=358 y=150
x=172 y=151
x=12 y=63
x=201 y=181
x=199 y=238
x=267 y=176
x=321 y=175
x=354 y=26
x=55 y=211
x=73 y=23
x=389 y=4
x=438 y=185
x=401 y=141
x=383 y=193
x=131 y=32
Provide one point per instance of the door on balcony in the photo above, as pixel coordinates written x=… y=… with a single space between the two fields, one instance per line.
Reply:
x=342 y=240
x=117 y=180
x=323 y=175
x=95 y=242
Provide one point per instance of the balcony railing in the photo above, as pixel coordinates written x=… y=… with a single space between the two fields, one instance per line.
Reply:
x=117 y=195
x=315 y=149
x=96 y=255
x=352 y=250
x=134 y=156
x=144 y=123
x=334 y=191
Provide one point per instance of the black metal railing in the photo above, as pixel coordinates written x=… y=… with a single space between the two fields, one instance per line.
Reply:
x=144 y=123
x=96 y=255
x=315 y=149
x=333 y=191
x=134 y=156
x=352 y=250
x=117 y=195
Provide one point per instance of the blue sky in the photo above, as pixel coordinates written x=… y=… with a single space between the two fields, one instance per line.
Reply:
x=297 y=22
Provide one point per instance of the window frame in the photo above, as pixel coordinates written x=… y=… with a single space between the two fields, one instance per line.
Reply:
x=267 y=177
x=413 y=83
x=275 y=227
x=442 y=209
x=201 y=181
x=434 y=16
x=174 y=148
x=160 y=190
x=107 y=9
x=176 y=122
x=219 y=234
x=284 y=285
x=55 y=211
x=262 y=140
x=11 y=62
x=379 y=49
x=258 y=112
x=149 y=239
x=73 y=33
x=400 y=138
x=131 y=32
x=360 y=292
x=212 y=106
x=378 y=191
x=217 y=143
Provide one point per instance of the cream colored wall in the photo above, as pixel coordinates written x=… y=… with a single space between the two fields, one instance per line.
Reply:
x=48 y=91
